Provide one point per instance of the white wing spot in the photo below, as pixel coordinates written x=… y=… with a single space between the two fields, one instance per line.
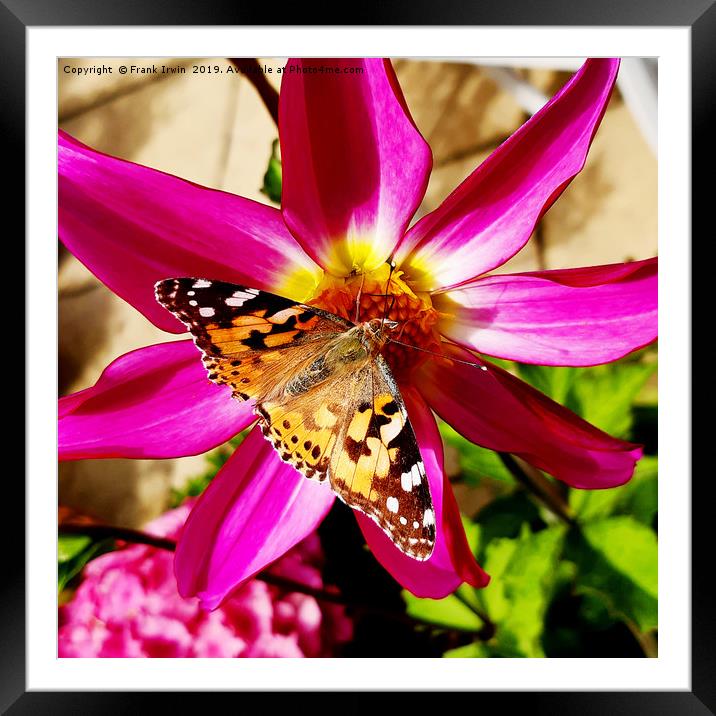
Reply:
x=392 y=504
x=193 y=303
x=415 y=471
x=406 y=481
x=403 y=521
x=206 y=311
x=238 y=298
x=191 y=293
x=416 y=524
x=428 y=518
x=201 y=283
x=390 y=430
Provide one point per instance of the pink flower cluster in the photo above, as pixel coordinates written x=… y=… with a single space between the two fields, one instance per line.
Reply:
x=128 y=606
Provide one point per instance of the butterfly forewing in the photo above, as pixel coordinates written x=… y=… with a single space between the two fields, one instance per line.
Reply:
x=250 y=339
x=328 y=404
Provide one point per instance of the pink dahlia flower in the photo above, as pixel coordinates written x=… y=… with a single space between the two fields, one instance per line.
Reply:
x=355 y=168
x=128 y=605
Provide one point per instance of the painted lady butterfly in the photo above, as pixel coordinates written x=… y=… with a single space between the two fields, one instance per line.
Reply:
x=325 y=397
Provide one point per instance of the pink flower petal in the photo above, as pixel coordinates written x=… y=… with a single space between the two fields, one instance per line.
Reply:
x=498 y=411
x=254 y=511
x=573 y=317
x=133 y=226
x=452 y=561
x=155 y=402
x=491 y=215
x=355 y=167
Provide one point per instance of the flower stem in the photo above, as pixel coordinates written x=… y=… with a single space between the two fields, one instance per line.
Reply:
x=647 y=640
x=99 y=531
x=489 y=627
x=121 y=533
x=252 y=70
x=543 y=489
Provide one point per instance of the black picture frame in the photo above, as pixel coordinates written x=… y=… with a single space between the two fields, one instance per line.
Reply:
x=699 y=15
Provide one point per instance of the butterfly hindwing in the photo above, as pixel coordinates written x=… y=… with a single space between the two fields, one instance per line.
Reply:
x=377 y=467
x=354 y=429
x=306 y=427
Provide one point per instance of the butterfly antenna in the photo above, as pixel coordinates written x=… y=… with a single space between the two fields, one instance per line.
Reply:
x=387 y=310
x=439 y=355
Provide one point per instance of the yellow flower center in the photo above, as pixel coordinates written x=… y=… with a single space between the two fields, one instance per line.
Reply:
x=382 y=294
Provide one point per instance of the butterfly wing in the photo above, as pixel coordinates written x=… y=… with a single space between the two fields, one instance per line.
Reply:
x=306 y=427
x=329 y=408
x=251 y=340
x=354 y=429
x=376 y=467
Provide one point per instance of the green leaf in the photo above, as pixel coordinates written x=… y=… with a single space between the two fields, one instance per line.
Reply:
x=604 y=395
x=506 y=517
x=273 y=176
x=524 y=576
x=457 y=610
x=69 y=546
x=449 y=612
x=476 y=650
x=617 y=560
x=508 y=365
x=564 y=578
x=476 y=462
x=555 y=382
x=595 y=612
x=473 y=533
x=593 y=504
x=638 y=497
x=74 y=552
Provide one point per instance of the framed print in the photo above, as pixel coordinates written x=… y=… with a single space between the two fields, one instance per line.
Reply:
x=356 y=356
